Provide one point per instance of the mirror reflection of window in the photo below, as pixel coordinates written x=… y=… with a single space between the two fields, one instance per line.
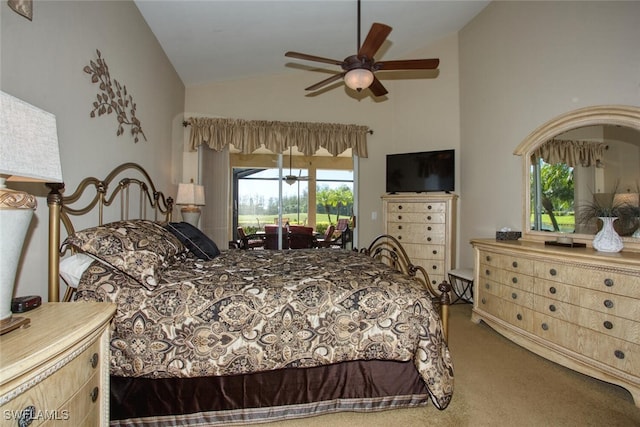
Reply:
x=577 y=166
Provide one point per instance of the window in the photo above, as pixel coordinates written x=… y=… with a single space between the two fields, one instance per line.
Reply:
x=317 y=192
x=552 y=197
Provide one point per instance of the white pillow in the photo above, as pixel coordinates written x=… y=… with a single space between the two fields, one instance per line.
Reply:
x=72 y=267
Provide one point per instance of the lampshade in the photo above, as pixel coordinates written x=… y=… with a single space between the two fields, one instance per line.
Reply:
x=28 y=152
x=626 y=199
x=358 y=79
x=190 y=194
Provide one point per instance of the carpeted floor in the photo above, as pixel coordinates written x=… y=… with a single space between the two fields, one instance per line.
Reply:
x=499 y=383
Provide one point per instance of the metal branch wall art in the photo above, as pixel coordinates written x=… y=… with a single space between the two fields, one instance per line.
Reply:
x=113 y=98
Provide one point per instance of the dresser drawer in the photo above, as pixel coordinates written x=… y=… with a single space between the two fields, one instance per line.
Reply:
x=513 y=295
x=50 y=394
x=615 y=305
x=606 y=281
x=417 y=218
x=506 y=277
x=612 y=351
x=417 y=251
x=418 y=233
x=425 y=207
x=514 y=314
x=507 y=262
x=604 y=323
x=85 y=403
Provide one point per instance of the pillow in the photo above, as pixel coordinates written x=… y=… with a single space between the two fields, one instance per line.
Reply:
x=195 y=240
x=72 y=267
x=138 y=248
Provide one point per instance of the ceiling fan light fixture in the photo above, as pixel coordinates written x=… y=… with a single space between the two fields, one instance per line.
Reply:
x=290 y=179
x=358 y=78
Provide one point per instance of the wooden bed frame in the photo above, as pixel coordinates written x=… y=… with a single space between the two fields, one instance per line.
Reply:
x=152 y=204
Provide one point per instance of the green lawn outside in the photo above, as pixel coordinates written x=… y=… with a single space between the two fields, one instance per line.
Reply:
x=566 y=223
x=253 y=223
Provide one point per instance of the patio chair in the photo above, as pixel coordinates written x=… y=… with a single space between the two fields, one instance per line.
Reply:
x=328 y=239
x=251 y=241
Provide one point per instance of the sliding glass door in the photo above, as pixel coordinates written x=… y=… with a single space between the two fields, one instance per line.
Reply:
x=313 y=191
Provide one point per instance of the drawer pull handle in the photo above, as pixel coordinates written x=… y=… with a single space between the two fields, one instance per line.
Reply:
x=552 y=290
x=428 y=239
x=429 y=228
x=608 y=325
x=519 y=316
x=608 y=282
x=94 y=394
x=484 y=301
x=399 y=237
x=487 y=272
x=429 y=217
x=514 y=280
x=399 y=227
x=619 y=354
x=399 y=216
x=488 y=257
x=553 y=272
x=27 y=415
x=552 y=307
x=429 y=207
x=545 y=327
x=435 y=267
x=94 y=360
x=514 y=295
x=515 y=264
x=435 y=252
x=488 y=286
x=400 y=207
x=608 y=303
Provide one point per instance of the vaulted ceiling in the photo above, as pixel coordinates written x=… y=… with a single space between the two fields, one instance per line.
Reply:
x=216 y=40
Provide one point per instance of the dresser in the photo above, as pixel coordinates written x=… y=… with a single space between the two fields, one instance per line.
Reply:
x=575 y=306
x=56 y=371
x=425 y=225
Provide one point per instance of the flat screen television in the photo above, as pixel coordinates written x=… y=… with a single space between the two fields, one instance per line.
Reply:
x=426 y=171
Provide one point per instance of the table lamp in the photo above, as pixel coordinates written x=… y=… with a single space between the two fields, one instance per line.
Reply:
x=191 y=196
x=28 y=152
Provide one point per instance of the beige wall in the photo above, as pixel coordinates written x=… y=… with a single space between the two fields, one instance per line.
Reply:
x=418 y=114
x=523 y=63
x=42 y=62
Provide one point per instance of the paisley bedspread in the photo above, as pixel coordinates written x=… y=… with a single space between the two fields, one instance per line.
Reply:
x=249 y=311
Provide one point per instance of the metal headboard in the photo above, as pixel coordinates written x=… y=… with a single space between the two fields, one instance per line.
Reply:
x=62 y=209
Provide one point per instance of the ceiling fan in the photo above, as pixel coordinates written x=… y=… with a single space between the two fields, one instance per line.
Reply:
x=291 y=178
x=358 y=70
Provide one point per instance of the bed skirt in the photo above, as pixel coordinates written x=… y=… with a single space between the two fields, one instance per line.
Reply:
x=267 y=396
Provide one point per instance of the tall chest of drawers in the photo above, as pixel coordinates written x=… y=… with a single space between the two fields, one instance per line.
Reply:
x=425 y=225
x=574 y=306
x=56 y=371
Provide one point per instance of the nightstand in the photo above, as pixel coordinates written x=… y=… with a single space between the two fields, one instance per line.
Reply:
x=56 y=371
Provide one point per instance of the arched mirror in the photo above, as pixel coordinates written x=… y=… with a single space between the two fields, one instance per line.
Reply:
x=581 y=157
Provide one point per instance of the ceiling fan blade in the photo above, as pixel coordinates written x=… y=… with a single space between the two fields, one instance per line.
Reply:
x=304 y=56
x=377 y=35
x=408 y=64
x=326 y=81
x=377 y=88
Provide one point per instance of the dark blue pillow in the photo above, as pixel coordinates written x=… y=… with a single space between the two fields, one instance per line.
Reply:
x=195 y=240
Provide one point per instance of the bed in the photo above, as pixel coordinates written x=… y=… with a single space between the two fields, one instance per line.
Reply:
x=209 y=337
